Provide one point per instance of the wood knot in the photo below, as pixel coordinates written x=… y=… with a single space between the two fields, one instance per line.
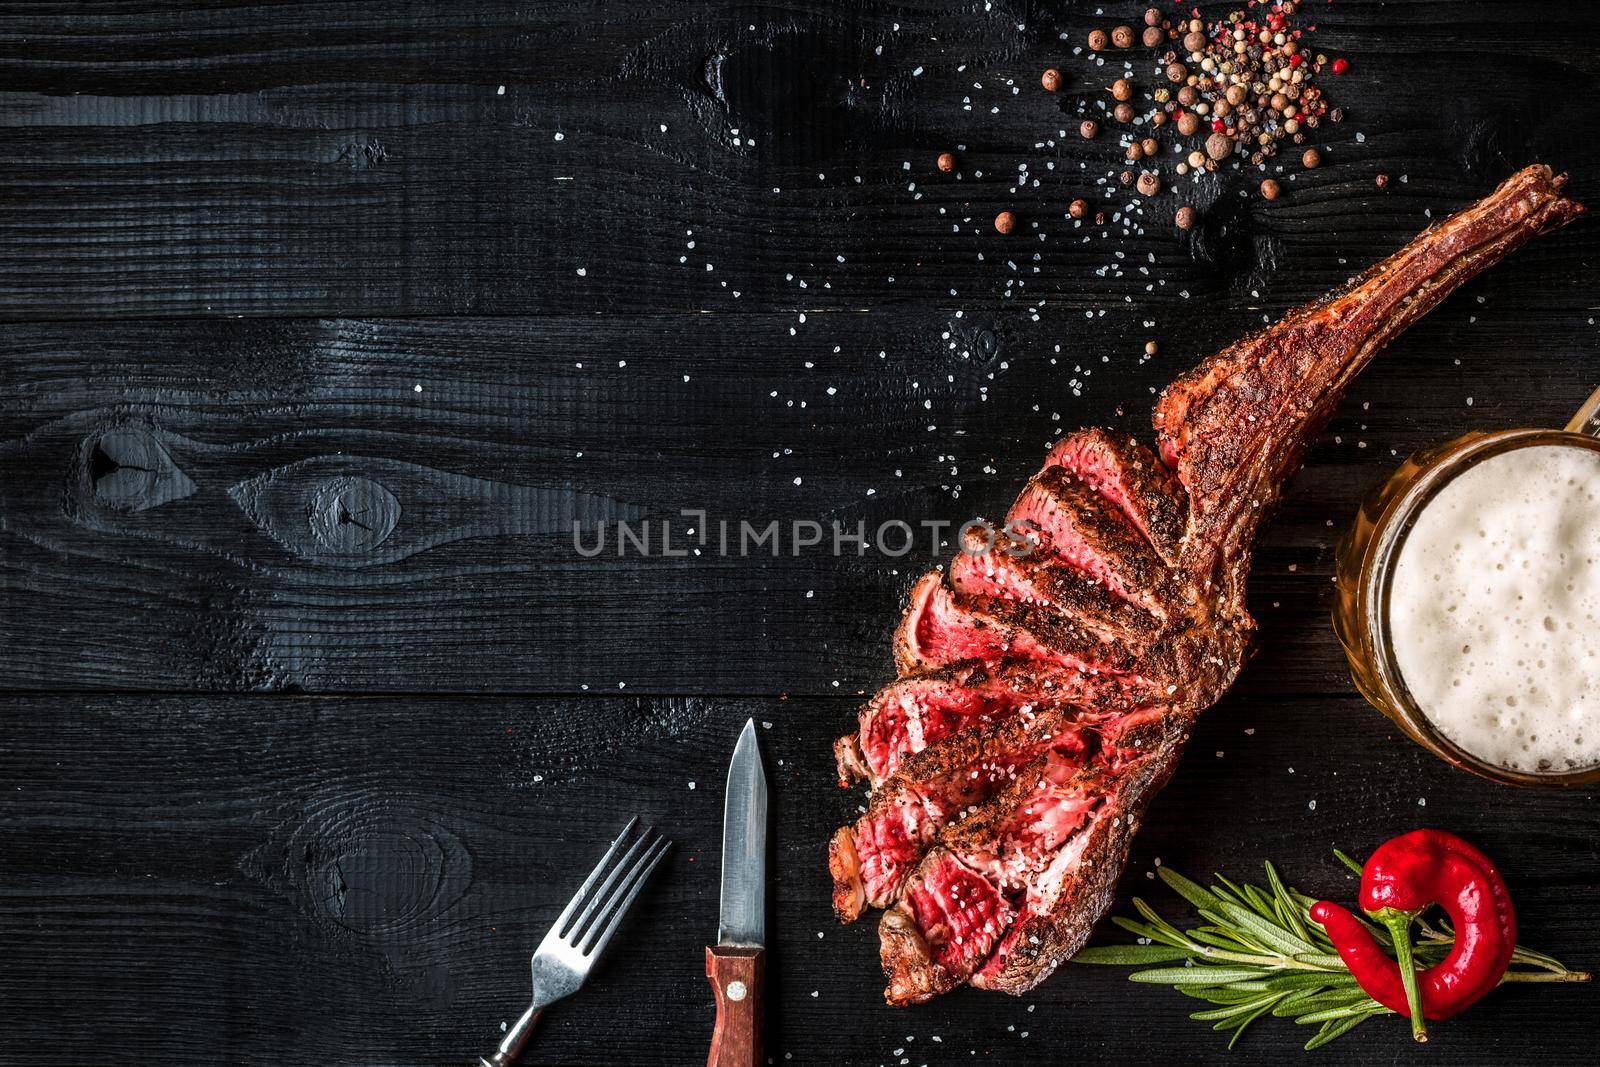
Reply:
x=127 y=469
x=374 y=864
x=351 y=515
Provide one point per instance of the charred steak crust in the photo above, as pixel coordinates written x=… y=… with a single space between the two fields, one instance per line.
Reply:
x=1135 y=604
x=1132 y=479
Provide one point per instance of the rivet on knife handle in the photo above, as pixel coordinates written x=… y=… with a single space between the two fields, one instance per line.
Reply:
x=737 y=978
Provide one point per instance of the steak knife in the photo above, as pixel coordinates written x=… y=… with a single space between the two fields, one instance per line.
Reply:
x=736 y=964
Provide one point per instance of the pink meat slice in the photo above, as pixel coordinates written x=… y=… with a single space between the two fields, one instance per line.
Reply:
x=870 y=860
x=958 y=904
x=1043 y=580
x=915 y=712
x=941 y=627
x=1128 y=475
x=1080 y=528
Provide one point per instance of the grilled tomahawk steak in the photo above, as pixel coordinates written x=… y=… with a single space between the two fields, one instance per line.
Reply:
x=1045 y=696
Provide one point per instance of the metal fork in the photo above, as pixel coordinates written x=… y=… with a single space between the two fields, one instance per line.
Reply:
x=568 y=951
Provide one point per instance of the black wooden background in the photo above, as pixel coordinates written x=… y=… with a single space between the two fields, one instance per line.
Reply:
x=280 y=789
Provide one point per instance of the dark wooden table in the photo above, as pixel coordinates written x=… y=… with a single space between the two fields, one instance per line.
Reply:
x=324 y=320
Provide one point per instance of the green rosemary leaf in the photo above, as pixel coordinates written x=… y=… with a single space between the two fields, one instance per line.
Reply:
x=1219 y=937
x=1258 y=1013
x=1310 y=980
x=1131 y=955
x=1228 y=892
x=1232 y=1010
x=1150 y=932
x=1268 y=934
x=1193 y=892
x=1332 y=1031
x=1211 y=994
x=1291 y=1003
x=1167 y=932
x=1318 y=959
x=1259 y=902
x=1331 y=998
x=1251 y=986
x=1348 y=862
x=1289 y=912
x=1198 y=975
x=1343 y=1011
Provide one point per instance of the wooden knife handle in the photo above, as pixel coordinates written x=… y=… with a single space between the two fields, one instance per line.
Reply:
x=737 y=976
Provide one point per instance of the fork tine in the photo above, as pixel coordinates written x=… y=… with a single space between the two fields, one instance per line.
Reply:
x=594 y=875
x=595 y=940
x=598 y=898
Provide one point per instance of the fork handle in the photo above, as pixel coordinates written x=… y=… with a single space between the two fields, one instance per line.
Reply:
x=512 y=1044
x=737 y=976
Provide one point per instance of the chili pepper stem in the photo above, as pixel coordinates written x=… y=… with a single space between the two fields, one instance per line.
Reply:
x=1398 y=924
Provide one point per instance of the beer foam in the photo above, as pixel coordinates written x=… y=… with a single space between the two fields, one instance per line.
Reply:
x=1493 y=604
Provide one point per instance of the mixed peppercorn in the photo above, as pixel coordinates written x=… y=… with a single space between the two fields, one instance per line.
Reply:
x=1237 y=87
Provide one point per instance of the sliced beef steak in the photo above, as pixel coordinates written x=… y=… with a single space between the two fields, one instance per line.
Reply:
x=1061 y=906
x=1043 y=580
x=1002 y=847
x=914 y=712
x=941 y=627
x=869 y=861
x=1078 y=526
x=958 y=904
x=1128 y=475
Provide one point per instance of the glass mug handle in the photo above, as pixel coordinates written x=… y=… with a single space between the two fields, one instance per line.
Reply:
x=1587 y=420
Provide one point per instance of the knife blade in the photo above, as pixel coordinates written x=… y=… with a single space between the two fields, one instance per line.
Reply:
x=744 y=846
x=736 y=964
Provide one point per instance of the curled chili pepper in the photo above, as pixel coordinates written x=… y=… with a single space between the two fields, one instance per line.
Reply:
x=1401 y=880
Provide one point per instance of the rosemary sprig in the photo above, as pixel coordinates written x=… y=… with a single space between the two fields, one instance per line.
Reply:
x=1257 y=953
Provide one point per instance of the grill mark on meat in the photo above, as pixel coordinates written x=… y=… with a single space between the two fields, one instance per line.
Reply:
x=1232 y=430
x=1128 y=475
x=941 y=627
x=1076 y=525
x=1040 y=579
x=870 y=859
x=914 y=712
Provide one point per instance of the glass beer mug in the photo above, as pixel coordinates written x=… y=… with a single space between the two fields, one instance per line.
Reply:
x=1365 y=572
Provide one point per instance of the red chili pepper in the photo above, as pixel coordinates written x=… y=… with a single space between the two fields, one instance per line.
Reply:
x=1401 y=880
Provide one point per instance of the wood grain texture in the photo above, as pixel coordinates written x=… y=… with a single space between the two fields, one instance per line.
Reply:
x=298 y=881
x=317 y=340
x=340 y=158
x=252 y=505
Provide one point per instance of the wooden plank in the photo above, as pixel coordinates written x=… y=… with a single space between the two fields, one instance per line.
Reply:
x=270 y=881
x=336 y=158
x=172 y=515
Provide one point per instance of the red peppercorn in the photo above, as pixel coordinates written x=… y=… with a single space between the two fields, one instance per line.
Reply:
x=1051 y=79
x=1218 y=126
x=1341 y=65
x=947 y=162
x=1005 y=222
